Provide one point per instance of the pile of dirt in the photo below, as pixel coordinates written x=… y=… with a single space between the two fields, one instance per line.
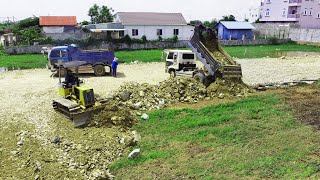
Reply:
x=114 y=114
x=228 y=88
x=209 y=38
x=132 y=99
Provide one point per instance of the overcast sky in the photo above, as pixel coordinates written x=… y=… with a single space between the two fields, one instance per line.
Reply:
x=191 y=9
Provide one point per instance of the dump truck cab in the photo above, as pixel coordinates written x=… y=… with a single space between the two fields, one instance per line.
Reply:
x=179 y=62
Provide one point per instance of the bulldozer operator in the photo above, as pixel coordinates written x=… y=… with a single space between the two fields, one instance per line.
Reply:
x=70 y=78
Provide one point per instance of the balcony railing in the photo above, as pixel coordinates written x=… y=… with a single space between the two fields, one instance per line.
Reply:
x=297 y=16
x=295 y=1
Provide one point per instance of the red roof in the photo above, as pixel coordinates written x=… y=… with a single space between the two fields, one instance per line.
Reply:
x=58 y=20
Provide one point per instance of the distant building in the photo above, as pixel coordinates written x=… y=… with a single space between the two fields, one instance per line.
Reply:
x=233 y=30
x=7 y=38
x=152 y=25
x=253 y=14
x=306 y=13
x=60 y=27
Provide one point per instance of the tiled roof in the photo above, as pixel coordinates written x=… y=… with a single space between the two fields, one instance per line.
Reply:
x=150 y=18
x=58 y=20
x=236 y=25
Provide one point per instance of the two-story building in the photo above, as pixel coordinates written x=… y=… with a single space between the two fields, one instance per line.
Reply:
x=306 y=13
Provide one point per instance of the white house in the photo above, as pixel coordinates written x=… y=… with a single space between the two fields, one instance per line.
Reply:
x=153 y=25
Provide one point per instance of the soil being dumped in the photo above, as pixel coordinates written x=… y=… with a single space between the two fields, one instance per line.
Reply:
x=132 y=99
x=209 y=39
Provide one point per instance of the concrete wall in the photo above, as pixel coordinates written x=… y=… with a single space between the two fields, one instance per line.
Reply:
x=305 y=35
x=150 y=45
x=185 y=31
x=279 y=30
x=61 y=36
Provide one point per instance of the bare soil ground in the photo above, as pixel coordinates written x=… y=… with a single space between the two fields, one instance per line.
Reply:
x=305 y=102
x=272 y=70
x=26 y=98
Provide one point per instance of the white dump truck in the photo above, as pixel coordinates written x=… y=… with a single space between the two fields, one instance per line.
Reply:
x=217 y=64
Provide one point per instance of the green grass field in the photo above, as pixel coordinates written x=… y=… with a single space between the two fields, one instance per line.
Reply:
x=26 y=61
x=255 y=138
x=38 y=61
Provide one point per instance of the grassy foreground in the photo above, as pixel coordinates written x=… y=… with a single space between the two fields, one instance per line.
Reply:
x=38 y=61
x=255 y=138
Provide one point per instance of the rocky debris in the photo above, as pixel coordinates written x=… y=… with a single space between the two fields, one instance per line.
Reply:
x=114 y=114
x=134 y=154
x=132 y=99
x=56 y=140
x=98 y=174
x=145 y=116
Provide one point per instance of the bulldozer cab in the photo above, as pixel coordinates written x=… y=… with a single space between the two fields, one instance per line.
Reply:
x=71 y=88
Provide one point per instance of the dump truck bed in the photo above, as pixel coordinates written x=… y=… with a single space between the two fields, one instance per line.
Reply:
x=211 y=54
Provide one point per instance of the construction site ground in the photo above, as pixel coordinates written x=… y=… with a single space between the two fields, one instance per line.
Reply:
x=30 y=127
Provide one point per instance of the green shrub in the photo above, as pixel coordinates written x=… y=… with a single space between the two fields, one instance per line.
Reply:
x=160 y=38
x=144 y=39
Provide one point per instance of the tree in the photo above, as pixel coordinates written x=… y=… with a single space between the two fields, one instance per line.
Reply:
x=29 y=34
x=228 y=18
x=101 y=14
x=211 y=23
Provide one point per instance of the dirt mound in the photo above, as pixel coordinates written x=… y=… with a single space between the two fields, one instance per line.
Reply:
x=133 y=98
x=228 y=88
x=114 y=114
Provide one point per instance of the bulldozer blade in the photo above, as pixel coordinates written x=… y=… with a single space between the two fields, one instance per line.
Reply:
x=81 y=119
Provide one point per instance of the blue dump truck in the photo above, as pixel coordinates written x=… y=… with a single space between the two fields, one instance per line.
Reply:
x=96 y=60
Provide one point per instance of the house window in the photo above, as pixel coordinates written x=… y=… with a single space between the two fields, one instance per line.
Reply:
x=135 y=32
x=268 y=2
x=310 y=12
x=268 y=12
x=284 y=12
x=159 y=32
x=318 y=16
x=305 y=12
x=176 y=32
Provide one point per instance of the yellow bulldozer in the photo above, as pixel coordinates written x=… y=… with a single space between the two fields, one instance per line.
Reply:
x=77 y=101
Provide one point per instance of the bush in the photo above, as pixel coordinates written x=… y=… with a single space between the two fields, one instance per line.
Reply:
x=160 y=38
x=126 y=39
x=2 y=51
x=274 y=41
x=174 y=39
x=144 y=39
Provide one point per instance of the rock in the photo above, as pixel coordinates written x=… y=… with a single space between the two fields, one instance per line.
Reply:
x=37 y=177
x=221 y=96
x=145 y=116
x=121 y=141
x=56 y=140
x=20 y=143
x=137 y=105
x=134 y=154
x=136 y=137
x=138 y=113
x=282 y=57
x=141 y=94
x=177 y=95
x=14 y=152
x=125 y=95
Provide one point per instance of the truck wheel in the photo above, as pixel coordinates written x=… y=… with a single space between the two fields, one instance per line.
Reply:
x=172 y=73
x=199 y=77
x=208 y=80
x=99 y=70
